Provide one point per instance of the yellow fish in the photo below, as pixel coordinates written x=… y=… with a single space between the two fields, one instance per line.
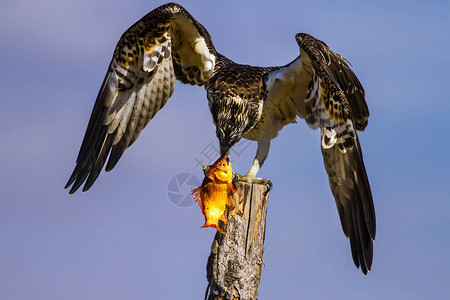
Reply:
x=215 y=193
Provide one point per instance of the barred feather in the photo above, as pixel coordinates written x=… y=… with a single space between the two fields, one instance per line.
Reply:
x=166 y=43
x=245 y=101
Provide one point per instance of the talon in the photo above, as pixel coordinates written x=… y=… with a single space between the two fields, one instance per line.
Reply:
x=235 y=179
x=238 y=177
x=245 y=178
x=269 y=186
x=206 y=169
x=249 y=179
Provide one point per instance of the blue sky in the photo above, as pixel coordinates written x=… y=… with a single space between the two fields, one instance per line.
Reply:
x=125 y=239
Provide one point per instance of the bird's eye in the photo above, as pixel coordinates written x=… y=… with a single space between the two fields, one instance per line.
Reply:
x=223 y=165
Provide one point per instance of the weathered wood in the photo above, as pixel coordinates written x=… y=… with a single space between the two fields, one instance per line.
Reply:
x=234 y=265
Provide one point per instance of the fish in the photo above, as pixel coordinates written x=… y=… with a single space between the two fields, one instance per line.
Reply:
x=216 y=193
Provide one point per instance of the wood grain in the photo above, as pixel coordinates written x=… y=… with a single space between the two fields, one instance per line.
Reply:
x=234 y=265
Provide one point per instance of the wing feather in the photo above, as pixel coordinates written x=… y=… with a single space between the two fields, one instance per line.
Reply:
x=139 y=81
x=329 y=96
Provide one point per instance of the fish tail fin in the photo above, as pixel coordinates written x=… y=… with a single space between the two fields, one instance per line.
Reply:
x=213 y=225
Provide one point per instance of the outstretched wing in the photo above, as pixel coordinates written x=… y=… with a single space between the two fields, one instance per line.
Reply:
x=165 y=44
x=320 y=87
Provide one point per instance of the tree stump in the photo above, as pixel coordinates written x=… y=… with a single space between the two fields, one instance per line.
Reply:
x=234 y=265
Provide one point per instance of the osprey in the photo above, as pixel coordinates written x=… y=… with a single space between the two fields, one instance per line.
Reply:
x=248 y=102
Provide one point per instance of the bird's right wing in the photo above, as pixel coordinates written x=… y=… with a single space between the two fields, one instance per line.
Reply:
x=165 y=44
x=320 y=87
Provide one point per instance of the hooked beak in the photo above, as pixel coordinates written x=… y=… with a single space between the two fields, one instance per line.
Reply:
x=224 y=151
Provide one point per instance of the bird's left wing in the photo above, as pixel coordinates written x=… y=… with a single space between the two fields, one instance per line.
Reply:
x=320 y=87
x=165 y=44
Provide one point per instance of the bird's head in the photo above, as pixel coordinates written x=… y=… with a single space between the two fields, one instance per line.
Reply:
x=232 y=117
x=228 y=135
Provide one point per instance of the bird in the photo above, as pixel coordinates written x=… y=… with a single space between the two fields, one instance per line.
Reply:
x=245 y=101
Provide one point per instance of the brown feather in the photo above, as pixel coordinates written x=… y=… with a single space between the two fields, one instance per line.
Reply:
x=139 y=82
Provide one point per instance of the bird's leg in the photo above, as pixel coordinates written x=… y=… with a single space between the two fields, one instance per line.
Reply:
x=261 y=155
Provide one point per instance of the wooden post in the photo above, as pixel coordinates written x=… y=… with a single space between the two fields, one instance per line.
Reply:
x=234 y=265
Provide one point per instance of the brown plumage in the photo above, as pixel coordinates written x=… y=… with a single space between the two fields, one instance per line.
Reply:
x=245 y=101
